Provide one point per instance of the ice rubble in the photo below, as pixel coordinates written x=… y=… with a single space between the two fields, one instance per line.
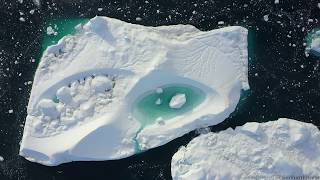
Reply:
x=278 y=148
x=80 y=106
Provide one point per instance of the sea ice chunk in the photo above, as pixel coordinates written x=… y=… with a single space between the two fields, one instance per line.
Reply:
x=158 y=101
x=177 y=101
x=236 y=154
x=94 y=109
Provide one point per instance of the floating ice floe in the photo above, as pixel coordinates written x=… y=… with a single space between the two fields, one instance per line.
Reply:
x=177 y=101
x=93 y=91
x=282 y=148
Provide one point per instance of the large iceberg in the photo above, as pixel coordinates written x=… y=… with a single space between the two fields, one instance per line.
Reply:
x=278 y=149
x=104 y=92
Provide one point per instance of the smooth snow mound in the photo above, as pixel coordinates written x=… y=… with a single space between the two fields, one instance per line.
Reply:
x=254 y=151
x=85 y=87
x=178 y=101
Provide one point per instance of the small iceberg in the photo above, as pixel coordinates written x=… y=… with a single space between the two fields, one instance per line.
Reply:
x=177 y=101
x=95 y=93
x=313 y=43
x=284 y=148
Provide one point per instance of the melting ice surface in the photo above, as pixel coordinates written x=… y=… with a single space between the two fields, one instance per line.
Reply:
x=96 y=92
x=155 y=106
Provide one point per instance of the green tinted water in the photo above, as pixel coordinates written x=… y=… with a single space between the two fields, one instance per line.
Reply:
x=147 y=111
x=61 y=27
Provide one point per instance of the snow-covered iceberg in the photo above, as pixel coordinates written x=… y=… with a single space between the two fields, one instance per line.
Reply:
x=313 y=43
x=104 y=93
x=254 y=151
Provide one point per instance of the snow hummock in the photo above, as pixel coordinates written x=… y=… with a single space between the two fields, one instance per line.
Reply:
x=101 y=84
x=278 y=148
x=85 y=87
x=178 y=101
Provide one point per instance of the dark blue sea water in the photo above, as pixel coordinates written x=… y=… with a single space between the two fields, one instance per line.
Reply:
x=284 y=82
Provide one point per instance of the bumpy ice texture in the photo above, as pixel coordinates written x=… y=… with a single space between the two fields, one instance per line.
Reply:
x=284 y=147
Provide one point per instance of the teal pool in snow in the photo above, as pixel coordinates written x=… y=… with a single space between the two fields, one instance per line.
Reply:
x=166 y=102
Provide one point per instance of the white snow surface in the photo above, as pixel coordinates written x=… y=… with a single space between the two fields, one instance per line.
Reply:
x=279 y=148
x=80 y=106
x=177 y=101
